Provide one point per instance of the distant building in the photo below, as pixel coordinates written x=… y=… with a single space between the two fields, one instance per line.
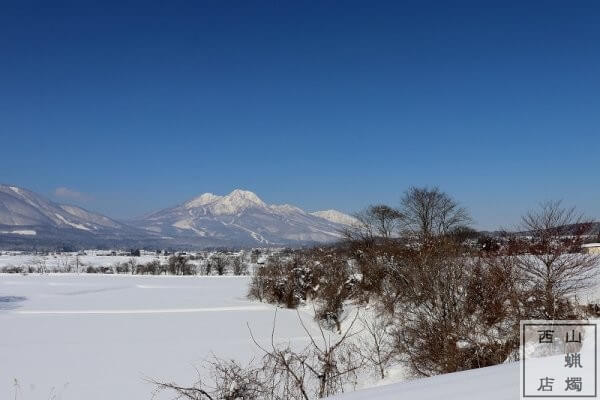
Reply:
x=591 y=248
x=262 y=259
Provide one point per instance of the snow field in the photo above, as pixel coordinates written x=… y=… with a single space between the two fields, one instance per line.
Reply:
x=99 y=336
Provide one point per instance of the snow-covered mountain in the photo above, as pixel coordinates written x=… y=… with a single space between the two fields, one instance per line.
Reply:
x=20 y=207
x=336 y=217
x=28 y=218
x=241 y=218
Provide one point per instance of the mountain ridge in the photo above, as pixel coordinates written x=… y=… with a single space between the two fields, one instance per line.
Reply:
x=242 y=217
x=237 y=219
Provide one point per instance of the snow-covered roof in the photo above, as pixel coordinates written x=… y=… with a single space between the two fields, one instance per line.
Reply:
x=591 y=245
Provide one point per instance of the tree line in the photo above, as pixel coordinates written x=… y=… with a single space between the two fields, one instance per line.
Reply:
x=177 y=264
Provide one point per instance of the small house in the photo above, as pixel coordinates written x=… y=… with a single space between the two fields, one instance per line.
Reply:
x=591 y=248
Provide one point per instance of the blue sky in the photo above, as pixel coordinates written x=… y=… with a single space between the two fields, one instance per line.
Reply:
x=128 y=108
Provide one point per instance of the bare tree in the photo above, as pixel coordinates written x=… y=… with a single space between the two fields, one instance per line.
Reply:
x=362 y=231
x=552 y=262
x=239 y=267
x=429 y=212
x=131 y=265
x=64 y=263
x=377 y=220
x=219 y=262
x=41 y=263
x=384 y=218
x=180 y=265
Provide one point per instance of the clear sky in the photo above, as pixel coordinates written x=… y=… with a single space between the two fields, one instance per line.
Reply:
x=128 y=108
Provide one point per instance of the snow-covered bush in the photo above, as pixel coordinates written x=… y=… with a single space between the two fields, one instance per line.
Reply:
x=320 y=275
x=281 y=281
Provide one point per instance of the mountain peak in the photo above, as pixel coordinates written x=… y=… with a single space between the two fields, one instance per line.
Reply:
x=237 y=201
x=239 y=194
x=202 y=200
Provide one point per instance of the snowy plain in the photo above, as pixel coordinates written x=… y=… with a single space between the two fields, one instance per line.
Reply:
x=98 y=337
x=94 y=336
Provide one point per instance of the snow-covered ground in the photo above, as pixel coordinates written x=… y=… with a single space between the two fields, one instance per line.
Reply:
x=94 y=336
x=98 y=336
x=500 y=382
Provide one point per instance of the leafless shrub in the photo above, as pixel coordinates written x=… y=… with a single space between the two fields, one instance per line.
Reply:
x=208 y=267
x=326 y=366
x=64 y=263
x=54 y=393
x=377 y=345
x=150 y=268
x=458 y=312
x=121 y=268
x=391 y=275
x=230 y=381
x=12 y=269
x=332 y=288
x=370 y=268
x=41 y=264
